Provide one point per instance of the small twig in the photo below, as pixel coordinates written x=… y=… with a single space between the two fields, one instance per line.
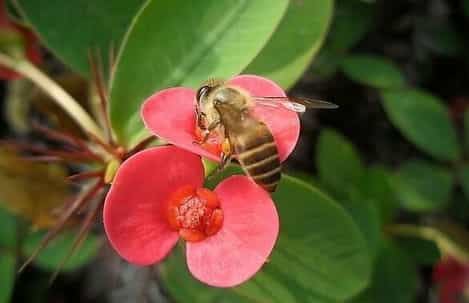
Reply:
x=60 y=136
x=85 y=175
x=141 y=145
x=112 y=59
x=57 y=93
x=68 y=212
x=65 y=155
x=47 y=159
x=81 y=236
x=431 y=234
x=96 y=65
x=111 y=150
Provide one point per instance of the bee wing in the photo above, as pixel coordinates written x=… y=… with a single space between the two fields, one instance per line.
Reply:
x=295 y=104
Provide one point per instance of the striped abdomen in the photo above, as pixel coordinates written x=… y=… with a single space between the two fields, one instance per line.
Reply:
x=257 y=154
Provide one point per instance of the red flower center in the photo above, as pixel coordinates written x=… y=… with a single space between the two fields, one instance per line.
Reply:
x=195 y=213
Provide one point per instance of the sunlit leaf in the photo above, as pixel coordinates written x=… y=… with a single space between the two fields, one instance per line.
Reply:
x=31 y=189
x=339 y=165
x=297 y=39
x=423 y=120
x=320 y=255
x=51 y=257
x=74 y=28
x=373 y=70
x=7 y=274
x=176 y=44
x=423 y=186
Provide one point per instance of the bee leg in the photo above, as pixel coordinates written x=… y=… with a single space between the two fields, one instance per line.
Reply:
x=226 y=157
x=200 y=116
x=207 y=131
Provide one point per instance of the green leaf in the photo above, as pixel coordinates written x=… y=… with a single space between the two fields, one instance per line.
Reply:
x=174 y=274
x=294 y=44
x=320 y=255
x=376 y=187
x=7 y=274
x=423 y=120
x=439 y=37
x=7 y=230
x=176 y=44
x=395 y=278
x=327 y=62
x=422 y=186
x=73 y=28
x=366 y=216
x=373 y=70
x=339 y=165
x=352 y=20
x=51 y=257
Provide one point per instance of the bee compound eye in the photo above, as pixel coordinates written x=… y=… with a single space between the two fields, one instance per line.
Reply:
x=201 y=92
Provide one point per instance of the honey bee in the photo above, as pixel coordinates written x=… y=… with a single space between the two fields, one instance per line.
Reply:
x=223 y=110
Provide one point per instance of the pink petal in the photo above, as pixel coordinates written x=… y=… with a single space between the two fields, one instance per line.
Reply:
x=135 y=207
x=244 y=243
x=170 y=115
x=283 y=123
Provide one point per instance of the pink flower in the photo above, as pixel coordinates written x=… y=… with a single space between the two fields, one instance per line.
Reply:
x=157 y=197
x=31 y=44
x=453 y=280
x=170 y=115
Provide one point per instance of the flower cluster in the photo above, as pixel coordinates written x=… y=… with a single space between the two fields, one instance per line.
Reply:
x=157 y=195
x=452 y=278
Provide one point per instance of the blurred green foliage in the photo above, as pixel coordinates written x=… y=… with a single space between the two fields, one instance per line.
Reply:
x=86 y=26
x=424 y=120
x=345 y=231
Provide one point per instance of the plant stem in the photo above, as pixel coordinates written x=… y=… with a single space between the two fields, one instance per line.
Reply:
x=444 y=243
x=57 y=93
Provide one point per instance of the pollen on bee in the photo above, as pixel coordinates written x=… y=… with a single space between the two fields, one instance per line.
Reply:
x=213 y=144
x=194 y=213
